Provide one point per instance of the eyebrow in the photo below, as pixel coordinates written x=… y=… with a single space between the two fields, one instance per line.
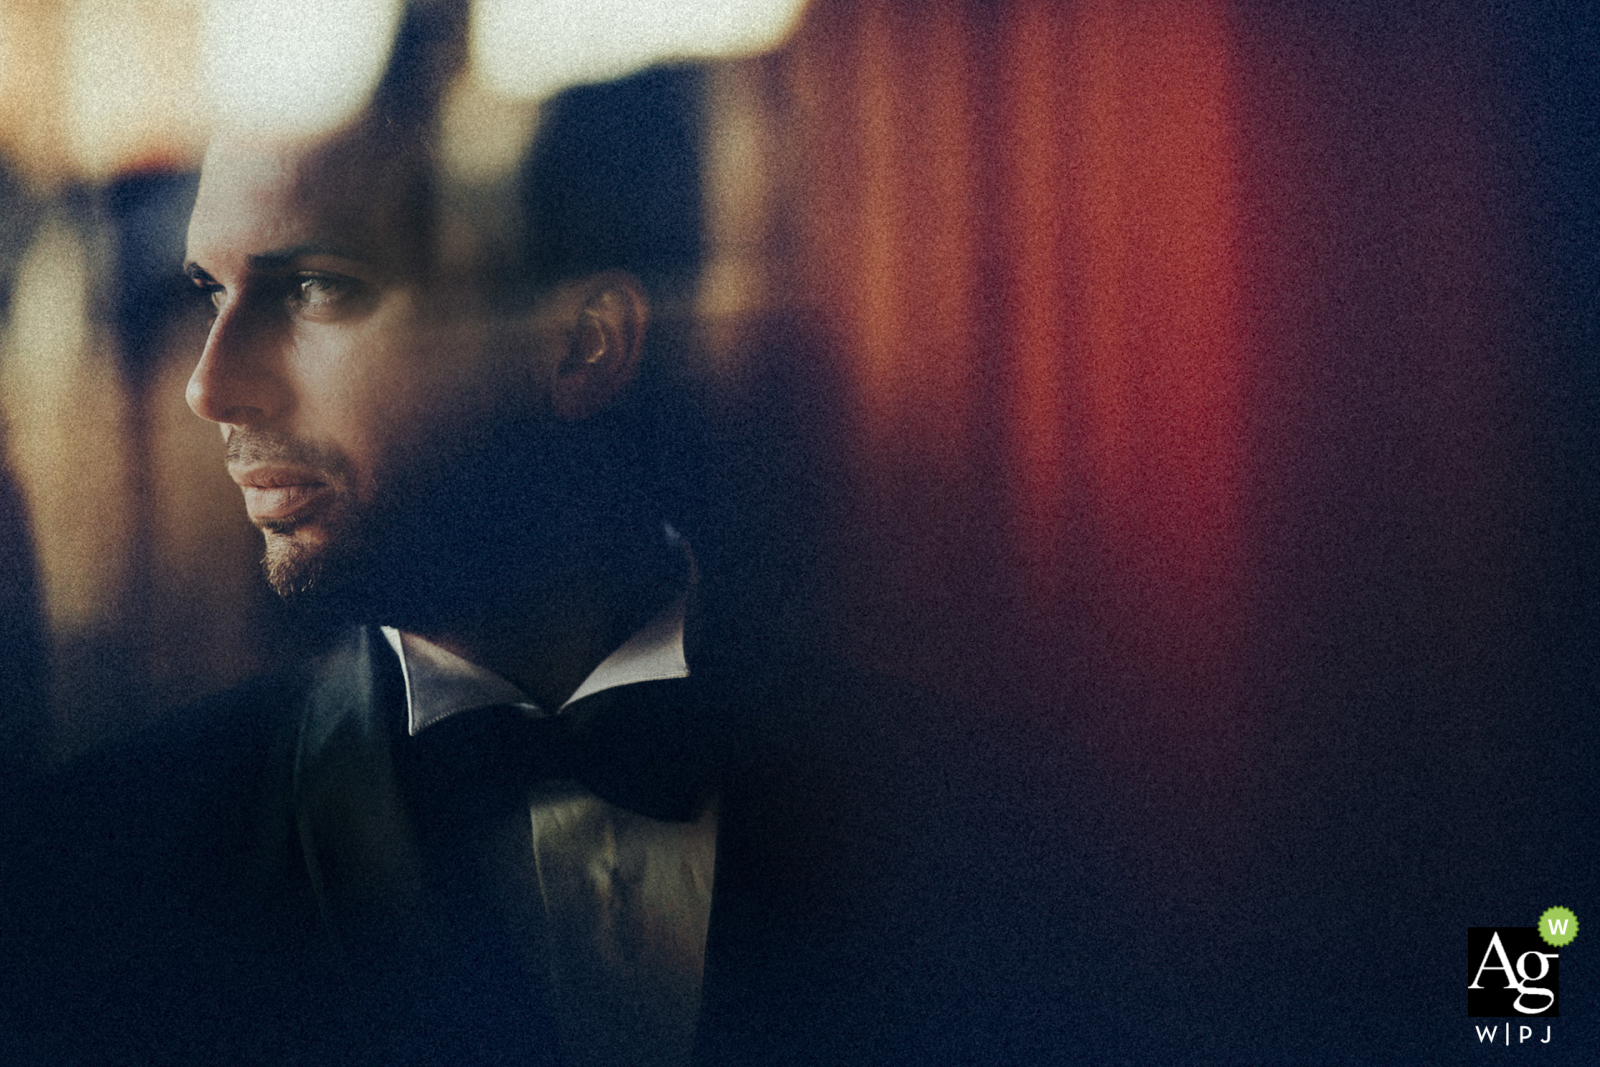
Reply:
x=279 y=258
x=284 y=256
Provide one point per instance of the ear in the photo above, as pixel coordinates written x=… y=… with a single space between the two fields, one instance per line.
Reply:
x=607 y=339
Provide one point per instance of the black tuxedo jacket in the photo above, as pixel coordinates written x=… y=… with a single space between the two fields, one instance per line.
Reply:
x=896 y=882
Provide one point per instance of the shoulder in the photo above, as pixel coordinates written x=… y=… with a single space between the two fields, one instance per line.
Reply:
x=164 y=802
x=205 y=786
x=191 y=758
x=155 y=877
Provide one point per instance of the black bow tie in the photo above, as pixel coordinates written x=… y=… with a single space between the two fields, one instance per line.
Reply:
x=647 y=747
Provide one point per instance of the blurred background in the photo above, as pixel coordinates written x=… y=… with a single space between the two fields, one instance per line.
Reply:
x=1210 y=387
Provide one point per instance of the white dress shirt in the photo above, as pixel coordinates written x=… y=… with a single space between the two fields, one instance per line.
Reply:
x=624 y=899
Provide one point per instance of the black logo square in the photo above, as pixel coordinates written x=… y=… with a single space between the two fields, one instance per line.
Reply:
x=1511 y=973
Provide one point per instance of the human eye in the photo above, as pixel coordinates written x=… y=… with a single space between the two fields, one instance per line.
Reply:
x=208 y=287
x=317 y=294
x=214 y=294
x=314 y=290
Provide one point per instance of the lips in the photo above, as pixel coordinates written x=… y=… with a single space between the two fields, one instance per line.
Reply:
x=280 y=494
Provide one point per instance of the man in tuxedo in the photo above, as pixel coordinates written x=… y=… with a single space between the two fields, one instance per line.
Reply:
x=530 y=808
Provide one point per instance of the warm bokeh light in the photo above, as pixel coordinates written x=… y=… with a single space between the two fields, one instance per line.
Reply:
x=98 y=88
x=294 y=66
x=65 y=420
x=533 y=48
x=739 y=188
x=131 y=77
x=7 y=46
x=32 y=84
x=483 y=134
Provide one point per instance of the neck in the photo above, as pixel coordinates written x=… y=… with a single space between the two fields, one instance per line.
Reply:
x=547 y=631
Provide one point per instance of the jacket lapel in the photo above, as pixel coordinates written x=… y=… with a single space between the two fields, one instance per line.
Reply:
x=355 y=833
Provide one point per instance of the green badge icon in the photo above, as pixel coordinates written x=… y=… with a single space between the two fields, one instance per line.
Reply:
x=1558 y=926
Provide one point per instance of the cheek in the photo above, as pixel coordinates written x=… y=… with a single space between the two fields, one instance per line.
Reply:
x=453 y=378
x=359 y=394
x=441 y=399
x=392 y=391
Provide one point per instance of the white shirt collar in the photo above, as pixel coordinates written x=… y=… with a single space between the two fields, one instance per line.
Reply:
x=440 y=683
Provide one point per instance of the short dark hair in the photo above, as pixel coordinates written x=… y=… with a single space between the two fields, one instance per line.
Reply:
x=611 y=179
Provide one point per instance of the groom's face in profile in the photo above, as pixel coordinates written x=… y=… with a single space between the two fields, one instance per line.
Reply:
x=356 y=381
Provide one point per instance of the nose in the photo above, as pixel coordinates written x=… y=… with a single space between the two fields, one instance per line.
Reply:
x=239 y=379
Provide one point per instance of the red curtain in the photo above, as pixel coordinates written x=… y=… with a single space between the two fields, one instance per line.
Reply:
x=1172 y=348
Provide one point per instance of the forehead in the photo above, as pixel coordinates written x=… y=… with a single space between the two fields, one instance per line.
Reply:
x=355 y=193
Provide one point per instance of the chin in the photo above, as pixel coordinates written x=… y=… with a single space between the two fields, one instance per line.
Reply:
x=293 y=565
x=345 y=579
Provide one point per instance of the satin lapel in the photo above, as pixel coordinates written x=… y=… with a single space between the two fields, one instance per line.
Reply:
x=355 y=832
